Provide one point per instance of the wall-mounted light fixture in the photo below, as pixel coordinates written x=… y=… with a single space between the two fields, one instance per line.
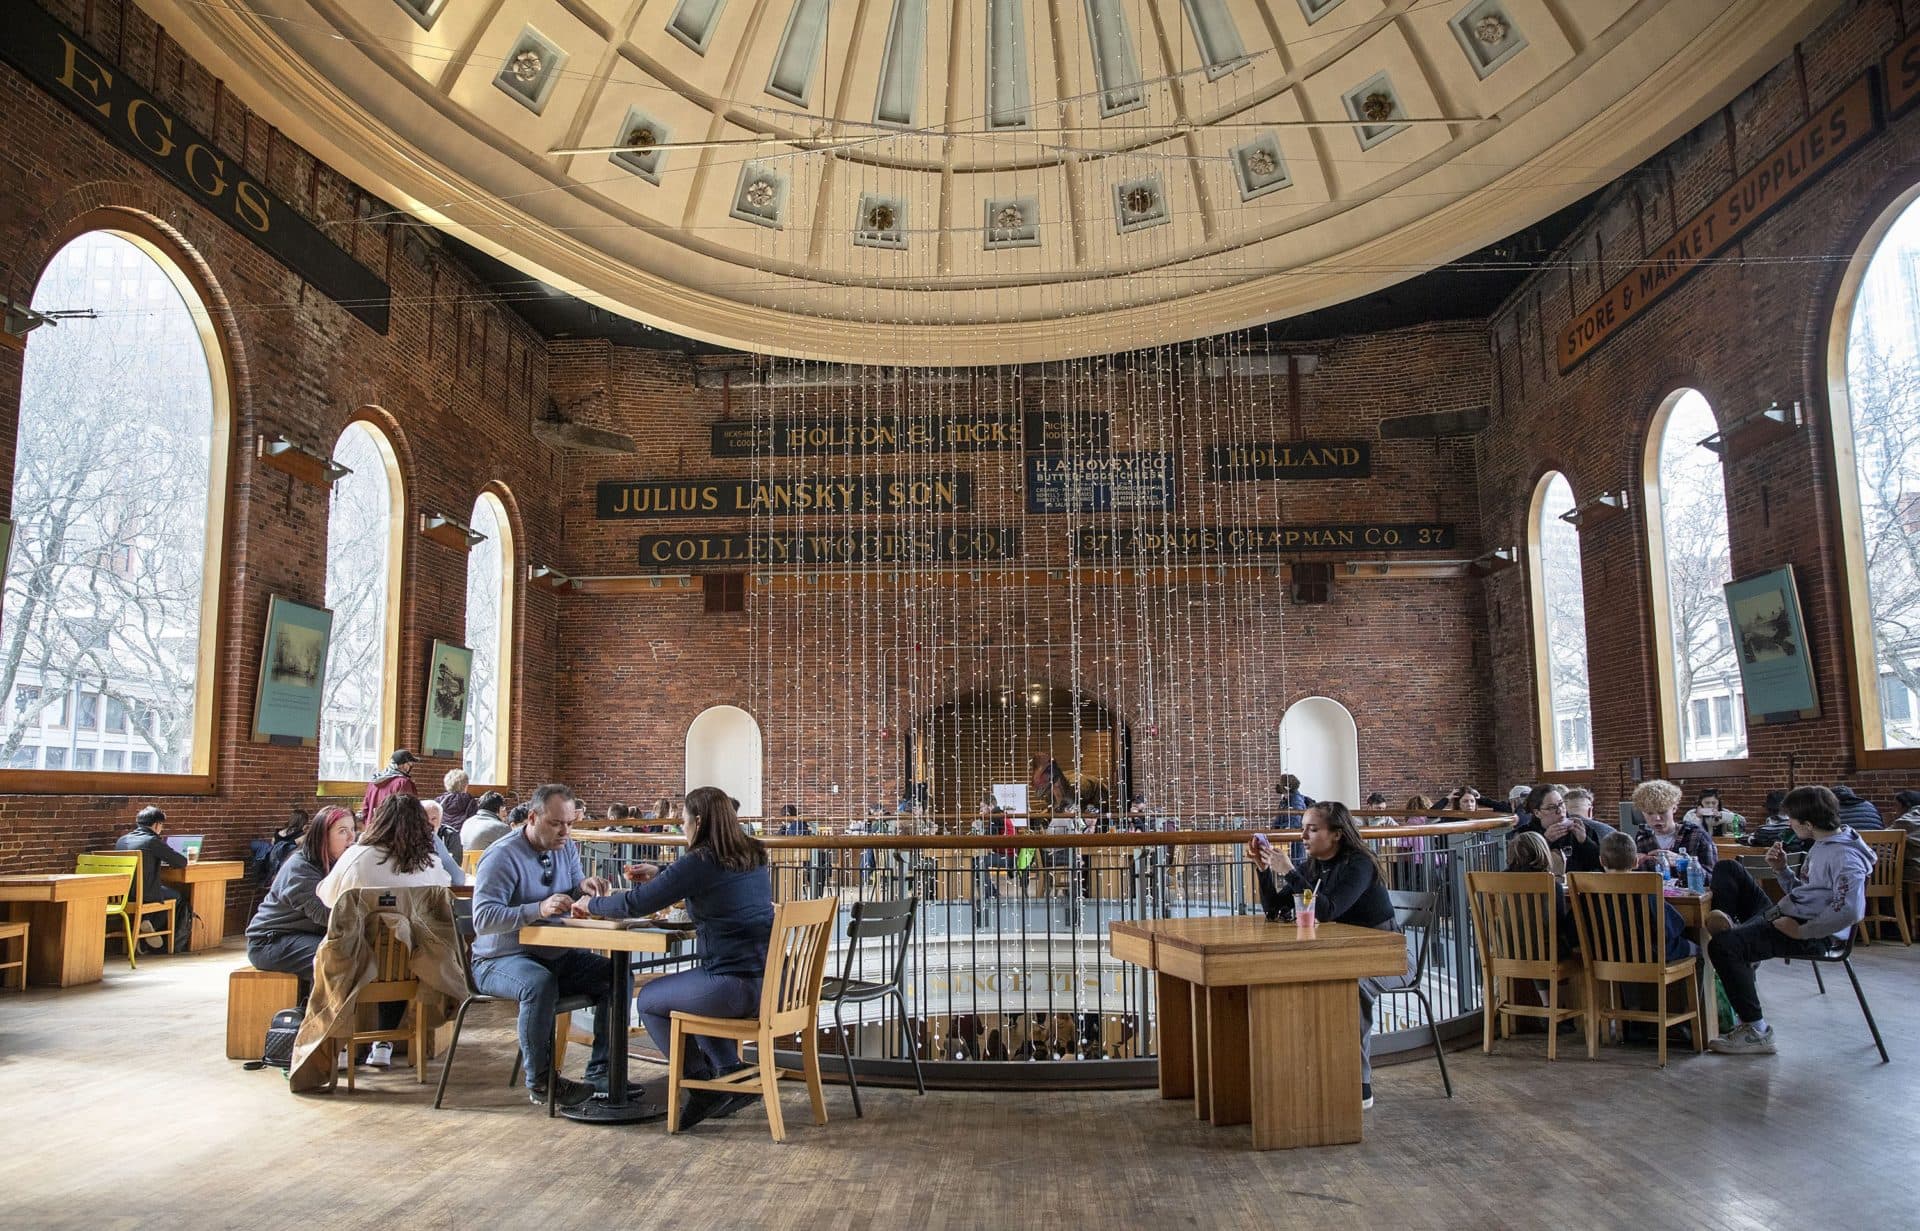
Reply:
x=552 y=577
x=1596 y=510
x=302 y=463
x=1499 y=560
x=450 y=531
x=1755 y=429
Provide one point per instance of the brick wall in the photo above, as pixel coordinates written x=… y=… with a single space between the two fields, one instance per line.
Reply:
x=1750 y=329
x=455 y=383
x=838 y=674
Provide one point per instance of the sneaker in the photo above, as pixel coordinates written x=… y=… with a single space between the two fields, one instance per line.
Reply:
x=566 y=1092
x=1718 y=921
x=379 y=1056
x=700 y=1105
x=734 y=1103
x=1366 y=1095
x=1743 y=1040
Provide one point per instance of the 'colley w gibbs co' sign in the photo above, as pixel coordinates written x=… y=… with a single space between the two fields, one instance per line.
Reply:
x=99 y=92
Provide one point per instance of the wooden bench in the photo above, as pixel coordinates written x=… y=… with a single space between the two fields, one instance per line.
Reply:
x=253 y=997
x=10 y=932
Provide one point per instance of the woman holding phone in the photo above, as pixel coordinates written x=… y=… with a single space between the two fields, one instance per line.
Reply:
x=1348 y=886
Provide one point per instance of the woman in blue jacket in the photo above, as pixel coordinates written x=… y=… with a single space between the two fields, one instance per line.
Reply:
x=723 y=877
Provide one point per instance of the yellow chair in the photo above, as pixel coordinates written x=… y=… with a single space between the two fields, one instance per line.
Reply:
x=1516 y=926
x=125 y=905
x=393 y=980
x=12 y=932
x=1623 y=933
x=789 y=1004
x=1886 y=896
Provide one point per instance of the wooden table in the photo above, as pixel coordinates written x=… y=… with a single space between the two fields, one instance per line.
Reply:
x=205 y=882
x=622 y=1104
x=68 y=917
x=1694 y=908
x=1270 y=1033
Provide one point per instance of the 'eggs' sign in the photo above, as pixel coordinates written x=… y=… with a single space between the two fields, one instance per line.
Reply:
x=99 y=92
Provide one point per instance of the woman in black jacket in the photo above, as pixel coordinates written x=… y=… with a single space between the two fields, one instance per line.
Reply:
x=1348 y=885
x=291 y=922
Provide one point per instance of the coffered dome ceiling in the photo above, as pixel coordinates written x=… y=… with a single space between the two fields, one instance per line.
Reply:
x=991 y=180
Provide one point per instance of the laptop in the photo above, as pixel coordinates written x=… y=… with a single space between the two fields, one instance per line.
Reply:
x=188 y=844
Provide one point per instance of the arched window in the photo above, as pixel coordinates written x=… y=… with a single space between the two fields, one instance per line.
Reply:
x=490 y=636
x=1559 y=628
x=1874 y=374
x=1702 y=704
x=1320 y=745
x=360 y=699
x=723 y=750
x=108 y=635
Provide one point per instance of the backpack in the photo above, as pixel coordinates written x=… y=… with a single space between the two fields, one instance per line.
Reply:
x=278 y=1050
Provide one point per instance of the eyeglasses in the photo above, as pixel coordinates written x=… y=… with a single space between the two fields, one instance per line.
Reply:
x=546 y=868
x=1551 y=808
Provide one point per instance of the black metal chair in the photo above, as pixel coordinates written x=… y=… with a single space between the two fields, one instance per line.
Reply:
x=1842 y=956
x=1414 y=912
x=886 y=922
x=474 y=996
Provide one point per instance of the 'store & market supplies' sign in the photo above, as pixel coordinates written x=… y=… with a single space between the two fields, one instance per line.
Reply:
x=1835 y=131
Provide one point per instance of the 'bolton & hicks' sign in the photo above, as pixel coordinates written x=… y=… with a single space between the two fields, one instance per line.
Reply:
x=100 y=93
x=946 y=432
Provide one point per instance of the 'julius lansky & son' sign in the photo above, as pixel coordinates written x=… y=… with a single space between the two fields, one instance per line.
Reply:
x=930 y=493
x=1835 y=131
x=100 y=93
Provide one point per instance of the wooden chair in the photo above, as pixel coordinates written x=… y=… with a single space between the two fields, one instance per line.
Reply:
x=1886 y=894
x=1623 y=934
x=393 y=980
x=789 y=1004
x=140 y=908
x=470 y=862
x=11 y=932
x=1516 y=926
x=123 y=905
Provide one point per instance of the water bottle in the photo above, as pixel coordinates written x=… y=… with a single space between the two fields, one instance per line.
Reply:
x=1696 y=876
x=1679 y=870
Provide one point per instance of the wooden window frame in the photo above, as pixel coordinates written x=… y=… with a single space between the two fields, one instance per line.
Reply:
x=397 y=504
x=1549 y=730
x=1862 y=663
x=504 y=709
x=182 y=267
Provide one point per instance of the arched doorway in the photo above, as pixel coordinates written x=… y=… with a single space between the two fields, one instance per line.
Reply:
x=1320 y=745
x=989 y=736
x=723 y=750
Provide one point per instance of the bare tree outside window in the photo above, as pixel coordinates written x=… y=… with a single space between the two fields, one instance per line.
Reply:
x=1563 y=596
x=1693 y=529
x=1883 y=397
x=484 y=595
x=359 y=534
x=106 y=581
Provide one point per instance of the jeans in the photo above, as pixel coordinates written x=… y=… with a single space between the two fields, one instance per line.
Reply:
x=289 y=953
x=182 y=913
x=537 y=983
x=709 y=995
x=1734 y=952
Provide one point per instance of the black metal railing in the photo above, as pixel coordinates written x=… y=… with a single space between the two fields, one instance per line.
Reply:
x=1010 y=966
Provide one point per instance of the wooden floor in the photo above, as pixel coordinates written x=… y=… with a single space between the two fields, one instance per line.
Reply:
x=117 y=1109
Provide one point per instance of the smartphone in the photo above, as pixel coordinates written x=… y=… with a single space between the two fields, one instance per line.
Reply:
x=1260 y=840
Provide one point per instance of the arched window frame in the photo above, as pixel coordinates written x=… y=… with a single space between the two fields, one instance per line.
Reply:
x=1673 y=747
x=372 y=421
x=1871 y=751
x=1542 y=655
x=498 y=497
x=184 y=269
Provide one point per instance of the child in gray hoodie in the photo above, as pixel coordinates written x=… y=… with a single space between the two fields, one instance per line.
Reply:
x=1821 y=905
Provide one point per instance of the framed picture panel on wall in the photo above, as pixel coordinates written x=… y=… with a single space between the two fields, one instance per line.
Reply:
x=293 y=666
x=444 y=732
x=1770 y=643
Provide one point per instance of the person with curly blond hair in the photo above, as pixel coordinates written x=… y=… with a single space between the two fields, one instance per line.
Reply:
x=1664 y=836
